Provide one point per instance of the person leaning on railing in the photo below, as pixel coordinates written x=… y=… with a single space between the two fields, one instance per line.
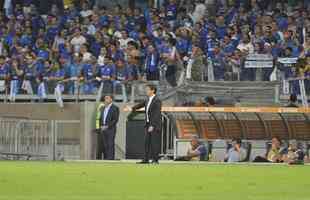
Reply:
x=4 y=74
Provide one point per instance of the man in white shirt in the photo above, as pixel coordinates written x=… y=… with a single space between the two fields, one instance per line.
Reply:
x=108 y=120
x=152 y=125
x=78 y=40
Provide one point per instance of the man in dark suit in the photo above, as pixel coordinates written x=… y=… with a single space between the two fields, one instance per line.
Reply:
x=109 y=114
x=153 y=125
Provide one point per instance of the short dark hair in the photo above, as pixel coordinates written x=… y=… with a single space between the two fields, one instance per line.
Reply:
x=237 y=141
x=107 y=95
x=210 y=100
x=277 y=138
x=153 y=88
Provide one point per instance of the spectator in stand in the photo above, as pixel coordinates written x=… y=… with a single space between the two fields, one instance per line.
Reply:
x=152 y=64
x=295 y=154
x=236 y=153
x=210 y=101
x=88 y=77
x=293 y=101
x=4 y=74
x=123 y=76
x=106 y=75
x=196 y=152
x=276 y=153
x=226 y=32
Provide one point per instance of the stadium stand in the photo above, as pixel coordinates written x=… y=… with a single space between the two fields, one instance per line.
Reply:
x=239 y=52
x=77 y=48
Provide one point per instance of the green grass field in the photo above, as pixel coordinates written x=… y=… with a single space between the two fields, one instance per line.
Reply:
x=94 y=181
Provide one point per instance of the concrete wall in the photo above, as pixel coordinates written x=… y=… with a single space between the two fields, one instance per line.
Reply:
x=85 y=112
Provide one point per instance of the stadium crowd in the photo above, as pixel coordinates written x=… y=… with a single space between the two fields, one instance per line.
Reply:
x=85 y=47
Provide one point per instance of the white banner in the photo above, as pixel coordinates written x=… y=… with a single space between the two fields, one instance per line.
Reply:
x=259 y=61
x=303 y=94
x=287 y=60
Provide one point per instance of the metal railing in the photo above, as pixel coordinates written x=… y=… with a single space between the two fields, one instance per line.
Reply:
x=123 y=92
x=24 y=139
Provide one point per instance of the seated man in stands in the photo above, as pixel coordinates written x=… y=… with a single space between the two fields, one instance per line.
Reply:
x=210 y=101
x=293 y=101
x=236 y=153
x=295 y=154
x=276 y=154
x=196 y=152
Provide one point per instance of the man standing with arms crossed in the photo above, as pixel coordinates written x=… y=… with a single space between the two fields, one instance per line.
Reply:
x=153 y=125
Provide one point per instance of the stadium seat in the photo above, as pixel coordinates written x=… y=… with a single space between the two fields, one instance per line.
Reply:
x=254 y=130
x=219 y=148
x=232 y=129
x=301 y=130
x=259 y=148
x=277 y=128
x=186 y=129
x=209 y=129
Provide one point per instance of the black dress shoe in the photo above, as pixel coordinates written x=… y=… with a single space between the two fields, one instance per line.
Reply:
x=143 y=162
x=155 y=162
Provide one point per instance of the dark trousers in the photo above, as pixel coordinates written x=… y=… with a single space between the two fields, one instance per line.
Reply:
x=260 y=159
x=152 y=76
x=171 y=74
x=151 y=145
x=108 y=145
x=99 y=148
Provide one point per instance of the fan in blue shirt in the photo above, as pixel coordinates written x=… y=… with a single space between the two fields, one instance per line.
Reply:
x=151 y=64
x=88 y=75
x=171 y=11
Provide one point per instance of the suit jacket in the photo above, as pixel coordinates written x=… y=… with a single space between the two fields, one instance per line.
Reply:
x=154 y=112
x=112 y=117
